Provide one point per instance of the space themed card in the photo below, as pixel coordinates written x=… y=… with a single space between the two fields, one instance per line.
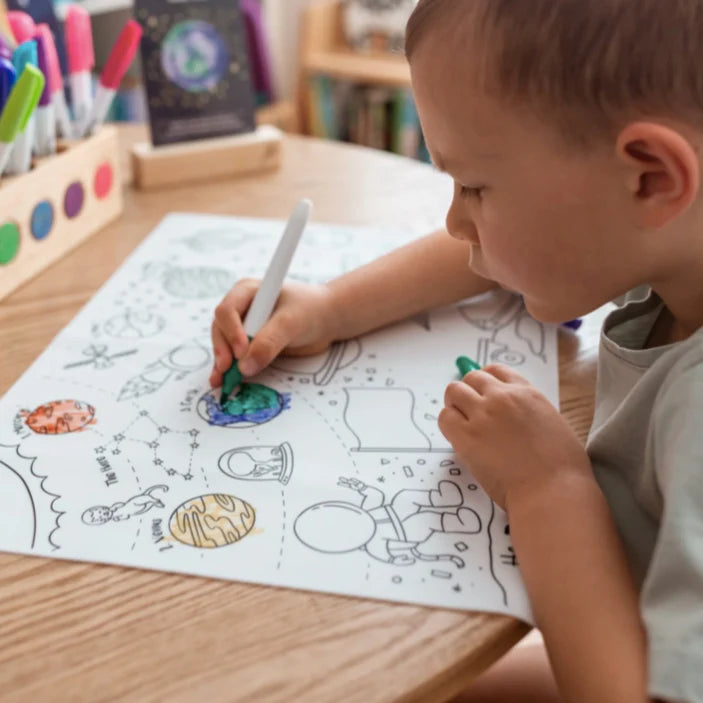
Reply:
x=325 y=473
x=196 y=69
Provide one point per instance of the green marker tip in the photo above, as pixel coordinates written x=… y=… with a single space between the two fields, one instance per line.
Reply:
x=466 y=365
x=230 y=381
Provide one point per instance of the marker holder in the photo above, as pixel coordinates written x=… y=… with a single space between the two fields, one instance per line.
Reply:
x=206 y=159
x=49 y=210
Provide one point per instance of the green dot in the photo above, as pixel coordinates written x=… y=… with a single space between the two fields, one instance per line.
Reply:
x=9 y=242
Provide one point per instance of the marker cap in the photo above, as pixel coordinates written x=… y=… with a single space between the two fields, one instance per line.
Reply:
x=22 y=25
x=121 y=55
x=25 y=53
x=21 y=103
x=54 y=77
x=43 y=63
x=79 y=40
x=8 y=76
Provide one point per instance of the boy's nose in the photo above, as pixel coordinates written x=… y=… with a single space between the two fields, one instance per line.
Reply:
x=460 y=226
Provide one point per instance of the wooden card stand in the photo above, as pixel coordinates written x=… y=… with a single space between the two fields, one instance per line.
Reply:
x=58 y=204
x=206 y=159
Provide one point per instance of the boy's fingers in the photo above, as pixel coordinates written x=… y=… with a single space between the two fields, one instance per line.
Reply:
x=481 y=381
x=505 y=374
x=230 y=312
x=221 y=349
x=268 y=343
x=460 y=396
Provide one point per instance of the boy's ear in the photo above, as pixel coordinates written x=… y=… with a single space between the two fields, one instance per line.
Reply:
x=662 y=171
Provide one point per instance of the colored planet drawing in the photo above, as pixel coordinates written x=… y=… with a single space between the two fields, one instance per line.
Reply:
x=212 y=521
x=60 y=417
x=194 y=56
x=254 y=404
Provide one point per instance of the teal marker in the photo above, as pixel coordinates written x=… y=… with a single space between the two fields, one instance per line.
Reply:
x=466 y=365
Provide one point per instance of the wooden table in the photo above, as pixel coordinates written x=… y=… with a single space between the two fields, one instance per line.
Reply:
x=85 y=632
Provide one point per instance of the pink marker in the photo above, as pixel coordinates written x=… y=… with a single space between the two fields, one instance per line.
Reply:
x=55 y=79
x=81 y=59
x=45 y=136
x=22 y=26
x=117 y=64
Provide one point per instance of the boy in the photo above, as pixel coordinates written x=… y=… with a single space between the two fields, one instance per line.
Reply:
x=572 y=130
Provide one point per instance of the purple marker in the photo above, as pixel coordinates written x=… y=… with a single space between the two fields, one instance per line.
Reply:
x=45 y=136
x=573 y=324
x=5 y=51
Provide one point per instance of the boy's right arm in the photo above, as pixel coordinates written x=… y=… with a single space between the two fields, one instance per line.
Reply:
x=424 y=274
x=428 y=272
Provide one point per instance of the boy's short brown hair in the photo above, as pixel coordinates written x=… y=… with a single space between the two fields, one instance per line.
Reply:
x=588 y=65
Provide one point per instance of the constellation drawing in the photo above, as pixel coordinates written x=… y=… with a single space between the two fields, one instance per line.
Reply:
x=98 y=357
x=211 y=521
x=389 y=531
x=382 y=420
x=507 y=320
x=322 y=368
x=132 y=324
x=171 y=450
x=191 y=282
x=124 y=510
x=262 y=463
x=253 y=405
x=176 y=364
x=59 y=417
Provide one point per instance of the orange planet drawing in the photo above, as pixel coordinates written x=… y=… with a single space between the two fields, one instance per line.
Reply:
x=211 y=521
x=60 y=417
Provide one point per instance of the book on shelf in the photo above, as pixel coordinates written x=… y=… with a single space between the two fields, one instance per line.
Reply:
x=381 y=118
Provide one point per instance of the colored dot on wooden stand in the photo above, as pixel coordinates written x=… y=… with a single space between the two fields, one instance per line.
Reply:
x=102 y=183
x=9 y=242
x=73 y=200
x=42 y=219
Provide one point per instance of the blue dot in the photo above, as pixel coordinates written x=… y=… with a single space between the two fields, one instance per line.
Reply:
x=42 y=219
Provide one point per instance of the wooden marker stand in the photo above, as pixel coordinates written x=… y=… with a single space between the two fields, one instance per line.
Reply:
x=62 y=201
x=206 y=159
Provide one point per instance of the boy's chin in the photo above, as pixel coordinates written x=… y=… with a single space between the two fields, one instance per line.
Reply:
x=548 y=313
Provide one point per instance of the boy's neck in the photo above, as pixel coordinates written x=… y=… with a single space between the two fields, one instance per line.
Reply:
x=683 y=313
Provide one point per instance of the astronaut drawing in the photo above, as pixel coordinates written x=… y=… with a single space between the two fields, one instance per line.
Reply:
x=123 y=510
x=391 y=532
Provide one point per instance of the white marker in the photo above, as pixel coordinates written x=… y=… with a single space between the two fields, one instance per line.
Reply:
x=270 y=288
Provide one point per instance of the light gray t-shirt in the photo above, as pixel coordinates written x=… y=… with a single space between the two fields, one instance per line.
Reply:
x=646 y=447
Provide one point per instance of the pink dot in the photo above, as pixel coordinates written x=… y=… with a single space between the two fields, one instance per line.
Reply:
x=102 y=183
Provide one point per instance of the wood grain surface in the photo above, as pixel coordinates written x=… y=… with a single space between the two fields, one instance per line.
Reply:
x=86 y=632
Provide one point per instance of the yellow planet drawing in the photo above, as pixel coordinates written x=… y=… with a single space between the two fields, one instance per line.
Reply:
x=211 y=521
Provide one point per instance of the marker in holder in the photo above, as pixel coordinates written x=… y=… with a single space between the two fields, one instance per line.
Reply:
x=49 y=210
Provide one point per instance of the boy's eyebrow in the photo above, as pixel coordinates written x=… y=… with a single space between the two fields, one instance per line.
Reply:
x=445 y=166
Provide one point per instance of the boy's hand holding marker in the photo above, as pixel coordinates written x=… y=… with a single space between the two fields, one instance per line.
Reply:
x=245 y=311
x=490 y=418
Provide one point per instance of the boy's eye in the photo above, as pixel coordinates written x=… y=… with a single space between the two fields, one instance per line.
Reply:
x=474 y=192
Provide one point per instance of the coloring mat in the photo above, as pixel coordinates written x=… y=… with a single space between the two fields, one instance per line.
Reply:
x=114 y=449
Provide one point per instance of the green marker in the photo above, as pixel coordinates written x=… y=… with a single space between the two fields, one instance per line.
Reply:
x=466 y=365
x=18 y=109
x=231 y=379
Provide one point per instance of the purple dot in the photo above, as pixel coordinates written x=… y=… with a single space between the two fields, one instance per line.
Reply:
x=73 y=200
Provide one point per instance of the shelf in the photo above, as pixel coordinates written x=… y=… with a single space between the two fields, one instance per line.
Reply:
x=376 y=68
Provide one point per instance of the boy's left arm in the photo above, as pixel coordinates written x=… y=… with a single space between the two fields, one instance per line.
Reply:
x=531 y=463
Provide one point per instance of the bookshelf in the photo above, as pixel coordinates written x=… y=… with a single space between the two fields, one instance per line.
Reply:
x=326 y=58
x=324 y=50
